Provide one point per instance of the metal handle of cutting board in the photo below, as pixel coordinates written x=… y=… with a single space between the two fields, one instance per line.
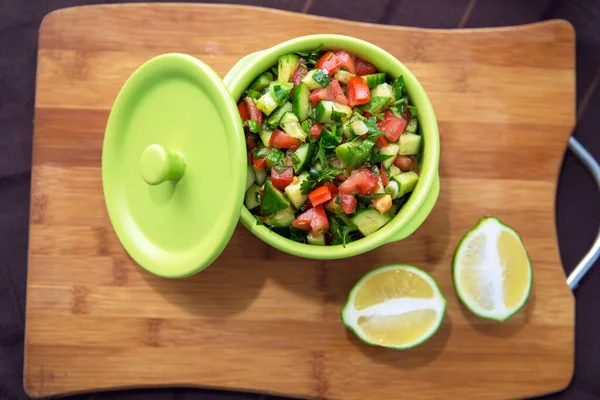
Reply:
x=592 y=255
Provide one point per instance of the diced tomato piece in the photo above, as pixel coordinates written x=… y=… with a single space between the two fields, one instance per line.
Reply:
x=348 y=203
x=282 y=140
x=308 y=205
x=346 y=60
x=328 y=63
x=357 y=91
x=250 y=142
x=385 y=179
x=298 y=74
x=403 y=162
x=332 y=189
x=253 y=111
x=361 y=181
x=243 y=109
x=340 y=178
x=259 y=162
x=333 y=92
x=315 y=130
x=381 y=141
x=281 y=180
x=320 y=195
x=364 y=67
x=391 y=125
x=314 y=219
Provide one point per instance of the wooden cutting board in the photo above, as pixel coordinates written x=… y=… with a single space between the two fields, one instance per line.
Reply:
x=261 y=320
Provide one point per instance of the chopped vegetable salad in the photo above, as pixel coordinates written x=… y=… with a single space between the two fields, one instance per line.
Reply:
x=333 y=147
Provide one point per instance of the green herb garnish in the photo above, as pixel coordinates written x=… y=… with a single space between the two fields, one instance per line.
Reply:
x=254 y=126
x=315 y=177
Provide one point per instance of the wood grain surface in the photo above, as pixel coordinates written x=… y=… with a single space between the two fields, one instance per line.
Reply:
x=261 y=320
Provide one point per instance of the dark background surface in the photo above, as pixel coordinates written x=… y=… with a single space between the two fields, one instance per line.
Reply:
x=577 y=200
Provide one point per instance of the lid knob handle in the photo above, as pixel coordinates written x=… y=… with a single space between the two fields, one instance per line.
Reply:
x=158 y=165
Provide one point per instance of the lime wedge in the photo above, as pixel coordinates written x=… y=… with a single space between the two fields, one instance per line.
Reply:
x=396 y=306
x=491 y=270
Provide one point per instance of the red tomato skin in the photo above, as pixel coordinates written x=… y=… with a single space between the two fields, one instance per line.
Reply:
x=253 y=111
x=328 y=63
x=391 y=125
x=298 y=74
x=340 y=178
x=319 y=223
x=313 y=219
x=385 y=179
x=346 y=60
x=333 y=92
x=381 y=142
x=250 y=142
x=320 y=195
x=315 y=130
x=259 y=162
x=361 y=181
x=282 y=140
x=332 y=189
x=281 y=180
x=243 y=110
x=357 y=91
x=364 y=67
x=348 y=203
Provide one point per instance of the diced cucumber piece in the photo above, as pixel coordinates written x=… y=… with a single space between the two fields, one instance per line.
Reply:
x=370 y=220
x=286 y=66
x=288 y=117
x=382 y=96
x=274 y=119
x=260 y=174
x=329 y=112
x=390 y=150
x=374 y=79
x=410 y=144
x=249 y=177
x=262 y=81
x=359 y=127
x=406 y=182
x=301 y=157
x=343 y=76
x=392 y=189
x=266 y=103
x=289 y=123
x=281 y=219
x=280 y=91
x=301 y=102
x=411 y=126
x=333 y=207
x=253 y=94
x=321 y=78
x=383 y=90
x=252 y=199
x=318 y=240
x=393 y=170
x=273 y=200
x=315 y=79
x=354 y=153
x=265 y=136
x=293 y=193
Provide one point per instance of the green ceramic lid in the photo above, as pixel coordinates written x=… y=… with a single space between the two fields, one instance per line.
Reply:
x=174 y=165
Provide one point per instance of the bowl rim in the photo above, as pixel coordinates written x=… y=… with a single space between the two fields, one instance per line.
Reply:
x=260 y=61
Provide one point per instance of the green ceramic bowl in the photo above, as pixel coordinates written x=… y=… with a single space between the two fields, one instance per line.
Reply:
x=425 y=194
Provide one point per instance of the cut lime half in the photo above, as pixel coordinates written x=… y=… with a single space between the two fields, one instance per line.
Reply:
x=396 y=306
x=491 y=270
